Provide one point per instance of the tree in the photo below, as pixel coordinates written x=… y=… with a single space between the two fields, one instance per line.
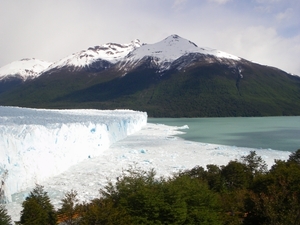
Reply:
x=275 y=197
x=213 y=177
x=255 y=163
x=202 y=205
x=33 y=213
x=236 y=175
x=196 y=172
x=147 y=199
x=139 y=193
x=69 y=211
x=37 y=208
x=232 y=203
x=4 y=218
x=295 y=157
x=103 y=211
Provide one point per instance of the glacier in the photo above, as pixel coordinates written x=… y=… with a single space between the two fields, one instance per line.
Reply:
x=36 y=144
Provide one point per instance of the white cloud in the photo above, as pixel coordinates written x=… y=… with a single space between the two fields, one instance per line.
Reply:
x=268 y=1
x=284 y=15
x=178 y=3
x=263 y=9
x=264 y=45
x=220 y=1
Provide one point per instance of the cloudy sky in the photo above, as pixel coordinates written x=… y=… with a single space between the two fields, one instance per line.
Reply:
x=264 y=31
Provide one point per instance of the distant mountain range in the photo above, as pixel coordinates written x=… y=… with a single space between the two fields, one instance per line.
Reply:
x=171 y=78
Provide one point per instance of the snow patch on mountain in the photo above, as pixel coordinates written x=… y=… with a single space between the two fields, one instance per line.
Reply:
x=36 y=144
x=25 y=68
x=110 y=53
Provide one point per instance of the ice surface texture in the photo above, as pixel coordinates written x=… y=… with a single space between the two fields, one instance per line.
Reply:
x=36 y=144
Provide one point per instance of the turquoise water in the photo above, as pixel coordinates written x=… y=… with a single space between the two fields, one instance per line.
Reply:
x=278 y=133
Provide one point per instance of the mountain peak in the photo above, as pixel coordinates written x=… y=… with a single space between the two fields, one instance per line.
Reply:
x=173 y=37
x=25 y=68
x=176 y=38
x=168 y=50
x=136 y=43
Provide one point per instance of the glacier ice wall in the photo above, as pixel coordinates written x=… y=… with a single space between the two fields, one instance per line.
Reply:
x=36 y=144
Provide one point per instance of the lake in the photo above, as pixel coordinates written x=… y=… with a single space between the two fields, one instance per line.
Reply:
x=278 y=133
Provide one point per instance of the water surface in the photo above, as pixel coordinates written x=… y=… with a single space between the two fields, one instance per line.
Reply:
x=278 y=133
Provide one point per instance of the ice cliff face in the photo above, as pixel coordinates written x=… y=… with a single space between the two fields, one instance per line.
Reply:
x=37 y=144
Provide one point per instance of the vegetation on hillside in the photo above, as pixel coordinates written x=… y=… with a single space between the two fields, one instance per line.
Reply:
x=242 y=192
x=210 y=90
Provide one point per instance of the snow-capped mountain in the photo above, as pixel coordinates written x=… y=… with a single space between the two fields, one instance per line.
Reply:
x=24 y=69
x=126 y=57
x=162 y=78
x=167 y=51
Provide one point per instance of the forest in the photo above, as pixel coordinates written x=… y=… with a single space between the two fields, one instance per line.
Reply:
x=244 y=191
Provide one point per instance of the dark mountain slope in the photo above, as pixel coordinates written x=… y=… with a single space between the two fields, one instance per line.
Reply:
x=209 y=90
x=42 y=91
x=9 y=83
x=199 y=91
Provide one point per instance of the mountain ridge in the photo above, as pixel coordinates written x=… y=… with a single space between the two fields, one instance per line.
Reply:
x=165 y=51
x=163 y=54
